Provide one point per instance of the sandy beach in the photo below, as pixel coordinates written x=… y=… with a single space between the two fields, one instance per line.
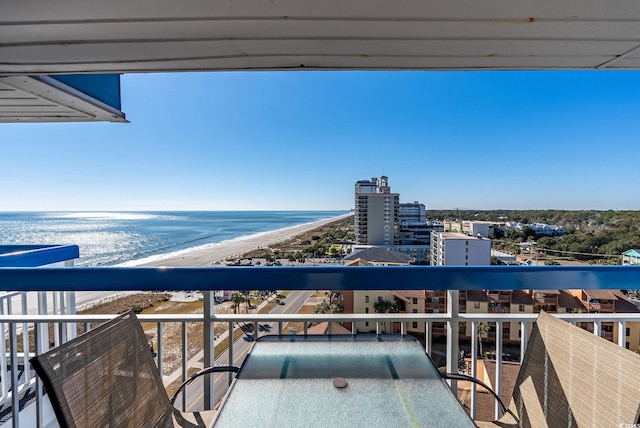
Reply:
x=217 y=253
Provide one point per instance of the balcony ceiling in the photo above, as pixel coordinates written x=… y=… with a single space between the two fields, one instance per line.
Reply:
x=80 y=36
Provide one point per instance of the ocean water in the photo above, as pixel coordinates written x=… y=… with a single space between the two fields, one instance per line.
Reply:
x=112 y=238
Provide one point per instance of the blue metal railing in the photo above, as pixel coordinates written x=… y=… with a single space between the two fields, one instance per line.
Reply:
x=36 y=255
x=322 y=278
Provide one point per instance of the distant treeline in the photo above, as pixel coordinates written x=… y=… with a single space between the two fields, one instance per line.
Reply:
x=592 y=233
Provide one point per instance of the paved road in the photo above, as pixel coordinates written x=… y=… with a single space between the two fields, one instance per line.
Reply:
x=241 y=347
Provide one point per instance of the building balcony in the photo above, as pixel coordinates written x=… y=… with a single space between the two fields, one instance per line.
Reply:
x=52 y=329
x=436 y=306
x=500 y=297
x=607 y=307
x=547 y=300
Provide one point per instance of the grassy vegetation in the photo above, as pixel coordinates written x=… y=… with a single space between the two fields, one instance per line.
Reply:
x=593 y=236
x=321 y=241
x=298 y=326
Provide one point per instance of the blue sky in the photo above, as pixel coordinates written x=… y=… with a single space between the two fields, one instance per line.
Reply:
x=300 y=140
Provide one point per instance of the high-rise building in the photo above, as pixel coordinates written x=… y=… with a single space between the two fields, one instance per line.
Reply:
x=376 y=212
x=412 y=214
x=458 y=249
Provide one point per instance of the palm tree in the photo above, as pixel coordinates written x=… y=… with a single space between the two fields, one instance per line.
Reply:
x=247 y=301
x=483 y=329
x=236 y=298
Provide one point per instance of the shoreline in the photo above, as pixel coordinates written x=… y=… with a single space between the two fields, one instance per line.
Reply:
x=215 y=253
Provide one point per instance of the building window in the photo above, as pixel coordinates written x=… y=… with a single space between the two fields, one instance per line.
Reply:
x=366 y=299
x=521 y=308
x=628 y=331
x=415 y=311
x=379 y=298
x=626 y=345
x=415 y=324
x=415 y=302
x=366 y=310
x=366 y=324
x=476 y=305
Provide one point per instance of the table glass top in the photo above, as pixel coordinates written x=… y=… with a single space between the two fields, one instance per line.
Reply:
x=288 y=381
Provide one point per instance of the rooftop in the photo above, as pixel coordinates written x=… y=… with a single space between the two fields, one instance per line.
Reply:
x=380 y=255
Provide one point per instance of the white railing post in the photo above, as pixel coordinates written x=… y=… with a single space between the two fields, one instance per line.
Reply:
x=3 y=358
x=453 y=297
x=622 y=335
x=209 y=347
x=185 y=364
x=56 y=333
x=230 y=349
x=427 y=337
x=15 y=391
x=38 y=331
x=63 y=311
x=160 y=350
x=25 y=342
x=474 y=366
x=42 y=303
x=498 y=385
x=523 y=339
x=72 y=329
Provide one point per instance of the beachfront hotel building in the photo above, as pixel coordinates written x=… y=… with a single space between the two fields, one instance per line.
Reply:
x=376 y=212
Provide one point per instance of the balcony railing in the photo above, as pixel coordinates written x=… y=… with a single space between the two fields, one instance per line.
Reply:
x=500 y=297
x=16 y=377
x=547 y=300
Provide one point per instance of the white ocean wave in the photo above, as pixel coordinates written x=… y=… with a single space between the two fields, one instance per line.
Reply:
x=94 y=215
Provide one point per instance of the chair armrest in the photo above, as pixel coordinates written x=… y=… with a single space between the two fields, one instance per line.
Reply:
x=457 y=376
x=213 y=369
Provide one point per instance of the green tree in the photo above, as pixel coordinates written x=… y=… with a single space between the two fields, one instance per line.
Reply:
x=247 y=301
x=527 y=233
x=236 y=298
x=383 y=307
x=515 y=235
x=328 y=308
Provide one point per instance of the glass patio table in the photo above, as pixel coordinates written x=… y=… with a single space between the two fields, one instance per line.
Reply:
x=331 y=381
